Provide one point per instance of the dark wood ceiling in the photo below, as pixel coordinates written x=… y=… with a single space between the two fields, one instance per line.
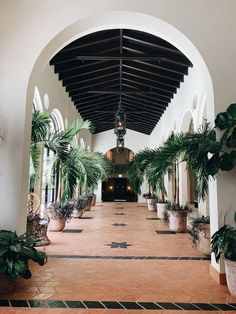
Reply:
x=140 y=71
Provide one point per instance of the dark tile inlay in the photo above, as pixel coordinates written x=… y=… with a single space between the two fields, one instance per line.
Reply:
x=168 y=306
x=112 y=305
x=187 y=306
x=223 y=307
x=206 y=307
x=37 y=303
x=119 y=207
x=122 y=245
x=86 y=218
x=19 y=303
x=131 y=305
x=165 y=232
x=150 y=218
x=4 y=303
x=72 y=230
x=56 y=304
x=119 y=214
x=119 y=225
x=150 y=306
x=75 y=304
x=94 y=304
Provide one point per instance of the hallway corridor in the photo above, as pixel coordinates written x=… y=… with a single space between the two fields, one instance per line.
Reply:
x=113 y=260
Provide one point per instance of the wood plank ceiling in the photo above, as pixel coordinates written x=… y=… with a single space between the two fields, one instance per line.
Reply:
x=140 y=71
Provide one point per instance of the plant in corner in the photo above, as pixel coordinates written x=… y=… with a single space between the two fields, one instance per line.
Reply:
x=15 y=253
x=200 y=234
x=223 y=242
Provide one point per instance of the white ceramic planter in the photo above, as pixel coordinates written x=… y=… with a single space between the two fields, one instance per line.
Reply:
x=177 y=222
x=204 y=240
x=78 y=213
x=230 y=270
x=152 y=205
x=161 y=208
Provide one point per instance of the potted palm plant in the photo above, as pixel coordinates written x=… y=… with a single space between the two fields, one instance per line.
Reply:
x=60 y=213
x=15 y=253
x=176 y=216
x=223 y=242
x=200 y=234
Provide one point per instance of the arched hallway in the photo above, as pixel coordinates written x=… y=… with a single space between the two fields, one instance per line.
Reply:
x=113 y=258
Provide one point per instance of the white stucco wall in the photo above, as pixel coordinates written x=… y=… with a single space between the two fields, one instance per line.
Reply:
x=54 y=95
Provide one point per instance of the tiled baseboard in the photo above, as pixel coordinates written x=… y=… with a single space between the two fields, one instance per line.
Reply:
x=182 y=258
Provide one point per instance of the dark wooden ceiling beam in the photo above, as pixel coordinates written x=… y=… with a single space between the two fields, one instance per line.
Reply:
x=77 y=66
x=156 y=112
x=144 y=102
x=139 y=84
x=87 y=87
x=90 y=70
x=95 y=106
x=157 y=65
x=99 y=99
x=91 y=77
x=105 y=84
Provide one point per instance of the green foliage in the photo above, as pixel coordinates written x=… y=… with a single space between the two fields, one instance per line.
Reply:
x=198 y=224
x=15 y=253
x=224 y=241
x=61 y=210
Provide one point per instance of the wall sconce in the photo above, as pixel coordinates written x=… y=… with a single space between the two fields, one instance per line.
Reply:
x=110 y=187
x=128 y=188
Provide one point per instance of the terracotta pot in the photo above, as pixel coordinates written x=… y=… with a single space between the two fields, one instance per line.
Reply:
x=177 y=221
x=161 y=208
x=78 y=213
x=6 y=285
x=93 y=202
x=88 y=207
x=57 y=224
x=230 y=270
x=152 y=205
x=204 y=243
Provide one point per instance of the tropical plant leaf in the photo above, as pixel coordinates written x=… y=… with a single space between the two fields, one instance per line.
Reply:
x=223 y=121
x=231 y=110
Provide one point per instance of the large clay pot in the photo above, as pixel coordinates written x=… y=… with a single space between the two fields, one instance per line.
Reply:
x=161 y=208
x=152 y=204
x=230 y=270
x=177 y=221
x=204 y=243
x=93 y=202
x=78 y=213
x=6 y=285
x=57 y=224
x=88 y=207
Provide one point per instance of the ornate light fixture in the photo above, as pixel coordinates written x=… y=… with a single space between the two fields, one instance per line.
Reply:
x=120 y=129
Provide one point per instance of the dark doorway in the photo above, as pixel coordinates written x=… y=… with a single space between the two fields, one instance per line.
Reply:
x=117 y=189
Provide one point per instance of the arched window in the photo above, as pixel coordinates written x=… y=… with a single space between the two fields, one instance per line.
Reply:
x=50 y=187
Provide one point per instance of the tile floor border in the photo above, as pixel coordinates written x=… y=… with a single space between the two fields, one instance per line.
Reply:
x=181 y=258
x=127 y=305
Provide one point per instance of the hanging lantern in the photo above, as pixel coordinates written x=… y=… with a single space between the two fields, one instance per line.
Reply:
x=120 y=123
x=120 y=144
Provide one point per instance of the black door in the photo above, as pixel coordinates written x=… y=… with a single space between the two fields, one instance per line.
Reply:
x=120 y=189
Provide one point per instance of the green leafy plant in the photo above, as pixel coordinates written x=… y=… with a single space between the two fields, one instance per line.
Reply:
x=61 y=210
x=198 y=224
x=223 y=241
x=15 y=253
x=177 y=209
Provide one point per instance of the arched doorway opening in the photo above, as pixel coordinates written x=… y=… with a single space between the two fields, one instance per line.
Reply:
x=117 y=187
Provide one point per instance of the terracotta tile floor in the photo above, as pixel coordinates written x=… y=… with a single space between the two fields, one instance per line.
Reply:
x=74 y=278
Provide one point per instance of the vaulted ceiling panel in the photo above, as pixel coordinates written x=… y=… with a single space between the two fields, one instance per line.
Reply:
x=137 y=70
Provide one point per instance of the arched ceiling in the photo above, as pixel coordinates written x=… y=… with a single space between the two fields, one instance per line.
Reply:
x=140 y=71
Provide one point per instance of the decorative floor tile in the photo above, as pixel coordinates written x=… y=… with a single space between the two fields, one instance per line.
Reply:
x=4 y=303
x=94 y=304
x=112 y=305
x=165 y=232
x=224 y=307
x=206 y=306
x=85 y=217
x=19 y=303
x=119 y=214
x=56 y=304
x=37 y=303
x=188 y=306
x=75 y=304
x=122 y=245
x=152 y=218
x=72 y=230
x=131 y=306
x=150 y=306
x=119 y=225
x=168 y=306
